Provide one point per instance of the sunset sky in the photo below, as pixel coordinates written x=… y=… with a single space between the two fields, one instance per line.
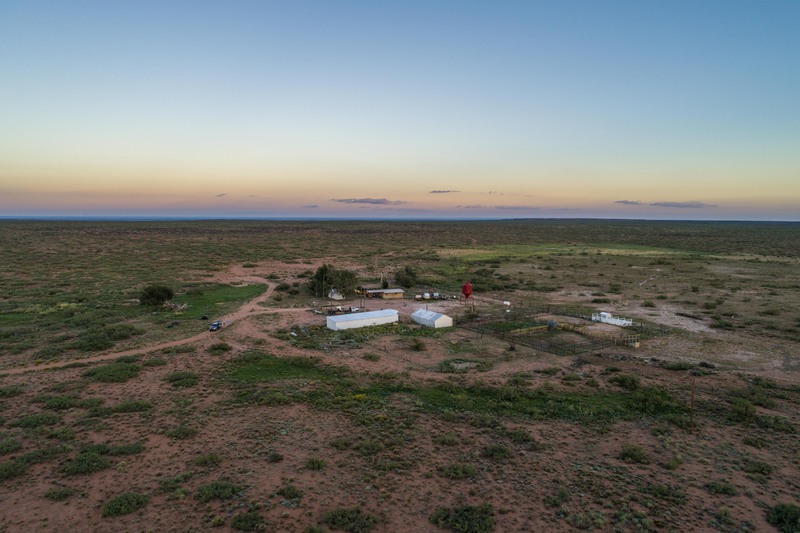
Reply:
x=434 y=109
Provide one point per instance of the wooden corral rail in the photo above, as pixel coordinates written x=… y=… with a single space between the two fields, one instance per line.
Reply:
x=566 y=326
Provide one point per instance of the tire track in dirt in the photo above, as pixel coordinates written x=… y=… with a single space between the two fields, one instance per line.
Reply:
x=250 y=308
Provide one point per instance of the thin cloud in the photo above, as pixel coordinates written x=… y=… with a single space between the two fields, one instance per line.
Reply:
x=629 y=202
x=313 y=206
x=443 y=191
x=473 y=206
x=372 y=201
x=683 y=205
x=515 y=207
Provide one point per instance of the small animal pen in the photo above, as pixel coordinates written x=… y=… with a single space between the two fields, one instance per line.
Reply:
x=525 y=327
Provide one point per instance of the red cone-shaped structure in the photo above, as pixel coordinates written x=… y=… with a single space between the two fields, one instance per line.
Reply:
x=466 y=290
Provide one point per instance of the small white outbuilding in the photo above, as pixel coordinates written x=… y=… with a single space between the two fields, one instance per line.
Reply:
x=431 y=319
x=361 y=320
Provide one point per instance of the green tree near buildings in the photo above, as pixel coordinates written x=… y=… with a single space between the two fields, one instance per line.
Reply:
x=329 y=277
x=406 y=277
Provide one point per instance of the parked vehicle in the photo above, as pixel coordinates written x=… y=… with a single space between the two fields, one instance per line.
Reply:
x=215 y=326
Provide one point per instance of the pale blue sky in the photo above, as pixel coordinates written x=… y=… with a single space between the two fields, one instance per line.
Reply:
x=525 y=108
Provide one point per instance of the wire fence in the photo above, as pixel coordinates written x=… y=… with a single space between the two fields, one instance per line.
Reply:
x=501 y=323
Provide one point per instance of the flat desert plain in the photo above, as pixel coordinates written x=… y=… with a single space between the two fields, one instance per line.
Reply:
x=526 y=415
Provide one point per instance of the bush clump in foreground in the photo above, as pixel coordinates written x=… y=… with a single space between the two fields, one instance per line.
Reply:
x=248 y=522
x=350 y=520
x=786 y=517
x=116 y=372
x=124 y=504
x=466 y=519
x=87 y=462
x=218 y=490
x=182 y=379
x=155 y=295
x=633 y=454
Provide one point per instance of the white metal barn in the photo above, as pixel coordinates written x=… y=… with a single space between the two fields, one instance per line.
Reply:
x=360 y=320
x=431 y=319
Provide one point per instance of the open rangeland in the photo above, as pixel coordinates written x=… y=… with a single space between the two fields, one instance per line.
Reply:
x=117 y=416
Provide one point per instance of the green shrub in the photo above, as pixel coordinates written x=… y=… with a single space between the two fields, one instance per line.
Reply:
x=182 y=379
x=9 y=445
x=369 y=447
x=315 y=464
x=248 y=522
x=447 y=439
x=757 y=467
x=350 y=520
x=64 y=433
x=58 y=494
x=341 y=443
x=406 y=277
x=218 y=490
x=219 y=348
x=668 y=493
x=653 y=401
x=209 y=459
x=626 y=381
x=116 y=372
x=466 y=519
x=742 y=410
x=181 y=432
x=36 y=420
x=154 y=295
x=12 y=468
x=171 y=484
x=721 y=487
x=58 y=403
x=495 y=452
x=559 y=497
x=633 y=454
x=43 y=454
x=786 y=517
x=127 y=449
x=85 y=463
x=10 y=390
x=418 y=345
x=458 y=471
x=124 y=504
x=290 y=492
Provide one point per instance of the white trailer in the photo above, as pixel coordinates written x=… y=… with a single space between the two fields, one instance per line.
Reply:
x=608 y=318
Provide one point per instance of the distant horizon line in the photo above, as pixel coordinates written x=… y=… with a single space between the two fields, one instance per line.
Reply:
x=200 y=218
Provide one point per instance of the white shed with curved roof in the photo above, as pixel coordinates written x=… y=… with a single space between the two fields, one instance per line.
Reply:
x=431 y=319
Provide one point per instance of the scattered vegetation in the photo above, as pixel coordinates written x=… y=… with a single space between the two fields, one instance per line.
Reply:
x=465 y=519
x=124 y=504
x=182 y=379
x=350 y=520
x=218 y=490
x=116 y=372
